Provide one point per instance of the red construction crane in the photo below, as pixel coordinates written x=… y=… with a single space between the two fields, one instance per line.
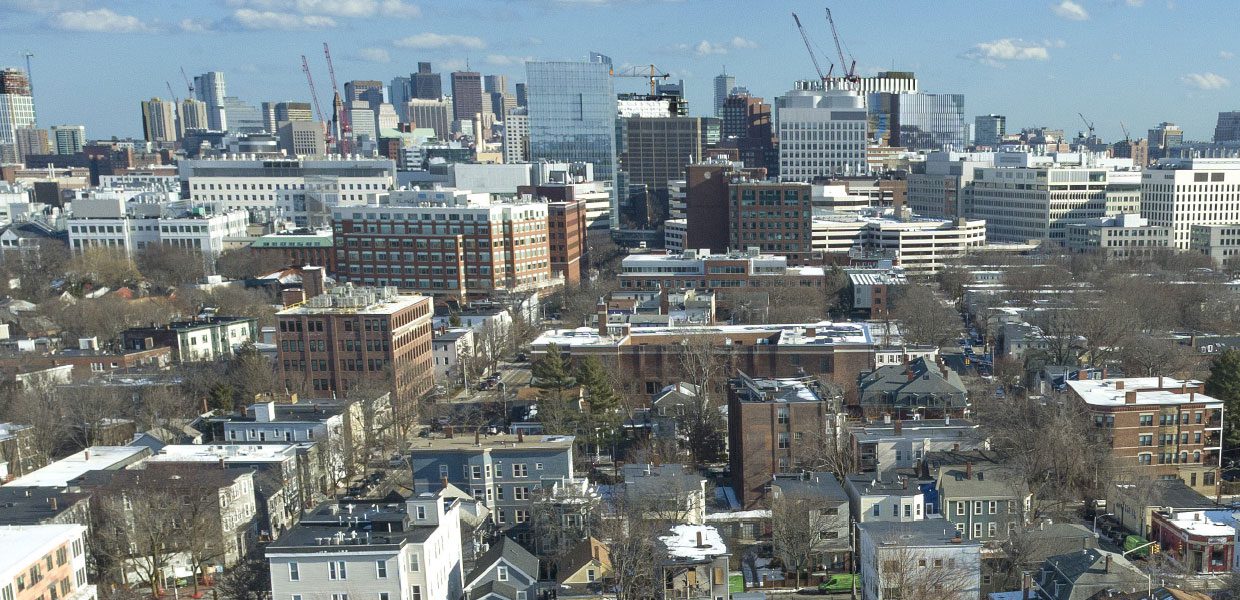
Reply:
x=343 y=116
x=851 y=75
x=810 y=48
x=314 y=97
x=189 y=84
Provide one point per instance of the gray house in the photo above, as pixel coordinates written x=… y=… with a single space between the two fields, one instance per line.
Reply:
x=1085 y=574
x=984 y=503
x=824 y=492
x=503 y=471
x=504 y=572
x=920 y=387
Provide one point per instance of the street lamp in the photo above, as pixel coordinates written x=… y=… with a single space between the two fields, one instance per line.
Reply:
x=1096 y=517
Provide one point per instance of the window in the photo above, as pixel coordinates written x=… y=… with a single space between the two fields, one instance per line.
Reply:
x=294 y=574
x=992 y=507
x=6 y=593
x=1147 y=420
x=520 y=516
x=520 y=595
x=340 y=597
x=519 y=470
x=501 y=573
x=520 y=493
x=415 y=593
x=296 y=596
x=590 y=575
x=421 y=512
x=959 y=508
x=877 y=508
x=381 y=569
x=991 y=529
x=336 y=570
x=977 y=507
x=383 y=596
x=908 y=510
x=476 y=471
x=413 y=563
x=977 y=530
x=784 y=442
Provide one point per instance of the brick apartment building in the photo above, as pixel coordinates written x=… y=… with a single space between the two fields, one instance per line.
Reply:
x=706 y=202
x=775 y=217
x=299 y=247
x=566 y=228
x=648 y=358
x=448 y=243
x=770 y=422
x=351 y=336
x=1158 y=426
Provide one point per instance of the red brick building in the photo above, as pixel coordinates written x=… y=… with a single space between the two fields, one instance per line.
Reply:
x=566 y=228
x=707 y=206
x=775 y=217
x=1158 y=426
x=88 y=362
x=1195 y=539
x=298 y=248
x=350 y=337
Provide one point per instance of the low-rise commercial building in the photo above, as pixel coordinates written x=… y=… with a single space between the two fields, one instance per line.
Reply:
x=703 y=269
x=1121 y=236
x=299 y=247
x=1196 y=540
x=918 y=245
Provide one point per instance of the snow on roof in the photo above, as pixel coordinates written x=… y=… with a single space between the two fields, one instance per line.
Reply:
x=823 y=332
x=683 y=542
x=738 y=515
x=247 y=453
x=1149 y=391
x=22 y=545
x=61 y=472
x=1199 y=522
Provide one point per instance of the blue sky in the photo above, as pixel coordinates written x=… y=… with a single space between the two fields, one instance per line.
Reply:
x=1037 y=61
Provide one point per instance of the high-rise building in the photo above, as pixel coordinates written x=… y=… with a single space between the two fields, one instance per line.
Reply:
x=400 y=91
x=16 y=109
x=302 y=138
x=425 y=84
x=159 y=120
x=209 y=87
x=32 y=141
x=920 y=121
x=775 y=217
x=516 y=136
x=572 y=115
x=243 y=117
x=938 y=187
x=276 y=112
x=430 y=114
x=723 y=88
x=657 y=150
x=1228 y=127
x=500 y=103
x=362 y=118
x=821 y=134
x=194 y=115
x=368 y=90
x=495 y=83
x=988 y=130
x=349 y=337
x=68 y=139
x=466 y=95
x=1196 y=191
x=1137 y=150
x=747 y=127
x=1165 y=139
x=522 y=97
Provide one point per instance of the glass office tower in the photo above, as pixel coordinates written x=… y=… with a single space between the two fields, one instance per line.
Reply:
x=919 y=121
x=572 y=116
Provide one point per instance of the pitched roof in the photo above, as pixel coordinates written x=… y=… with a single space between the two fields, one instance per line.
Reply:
x=583 y=554
x=507 y=550
x=1086 y=573
x=917 y=378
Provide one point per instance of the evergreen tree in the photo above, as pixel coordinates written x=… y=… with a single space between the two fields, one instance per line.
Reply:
x=551 y=374
x=551 y=371
x=1224 y=384
x=598 y=390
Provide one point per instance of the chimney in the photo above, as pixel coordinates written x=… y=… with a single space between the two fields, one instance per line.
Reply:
x=700 y=544
x=86 y=454
x=444 y=481
x=1119 y=384
x=222 y=464
x=1026 y=585
x=1082 y=375
x=811 y=332
x=899 y=426
x=910 y=373
x=601 y=310
x=968 y=470
x=1160 y=382
x=520 y=436
x=55 y=503
x=1130 y=397
x=477 y=436
x=1107 y=564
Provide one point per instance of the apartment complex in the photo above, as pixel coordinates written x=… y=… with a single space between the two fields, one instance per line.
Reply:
x=45 y=561
x=349 y=336
x=771 y=424
x=566 y=232
x=203 y=338
x=921 y=557
x=774 y=217
x=1158 y=426
x=1195 y=191
x=390 y=551
x=449 y=243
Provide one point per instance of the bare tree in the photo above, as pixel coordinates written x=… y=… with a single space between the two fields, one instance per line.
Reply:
x=914 y=574
x=492 y=342
x=37 y=402
x=135 y=527
x=800 y=525
x=704 y=364
x=103 y=266
x=244 y=263
x=923 y=317
x=168 y=266
x=248 y=580
x=827 y=451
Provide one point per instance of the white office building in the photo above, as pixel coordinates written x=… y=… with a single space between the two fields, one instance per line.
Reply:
x=821 y=133
x=1195 y=191
x=516 y=136
x=940 y=186
x=919 y=245
x=109 y=220
x=260 y=184
x=675 y=235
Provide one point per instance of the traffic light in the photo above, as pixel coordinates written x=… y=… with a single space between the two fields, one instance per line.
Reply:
x=1156 y=548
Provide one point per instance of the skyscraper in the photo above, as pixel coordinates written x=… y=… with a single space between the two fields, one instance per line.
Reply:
x=30 y=141
x=16 y=109
x=572 y=116
x=429 y=114
x=495 y=83
x=922 y=121
x=425 y=84
x=193 y=114
x=1164 y=139
x=276 y=112
x=400 y=91
x=67 y=139
x=1228 y=127
x=723 y=86
x=466 y=95
x=242 y=116
x=363 y=89
x=209 y=87
x=988 y=130
x=522 y=97
x=159 y=120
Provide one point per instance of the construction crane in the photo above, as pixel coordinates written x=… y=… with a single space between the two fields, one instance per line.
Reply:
x=188 y=84
x=174 y=94
x=1088 y=125
x=809 y=47
x=29 y=75
x=1125 y=129
x=314 y=97
x=343 y=116
x=650 y=72
x=851 y=74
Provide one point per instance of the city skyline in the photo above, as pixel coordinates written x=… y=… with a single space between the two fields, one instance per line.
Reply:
x=1039 y=67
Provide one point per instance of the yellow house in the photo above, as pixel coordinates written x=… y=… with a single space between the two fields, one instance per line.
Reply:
x=586 y=566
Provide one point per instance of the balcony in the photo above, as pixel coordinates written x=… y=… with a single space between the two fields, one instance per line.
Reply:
x=1214 y=422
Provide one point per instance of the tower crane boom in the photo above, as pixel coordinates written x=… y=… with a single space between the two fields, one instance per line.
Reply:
x=314 y=96
x=810 y=48
x=851 y=74
x=343 y=116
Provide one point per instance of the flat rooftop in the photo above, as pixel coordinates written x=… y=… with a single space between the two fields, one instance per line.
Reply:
x=682 y=542
x=95 y=458
x=21 y=545
x=936 y=429
x=919 y=534
x=1149 y=391
x=822 y=333
x=464 y=441
x=238 y=453
x=347 y=299
x=1200 y=522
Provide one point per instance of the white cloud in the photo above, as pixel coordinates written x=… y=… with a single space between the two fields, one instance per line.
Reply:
x=377 y=55
x=705 y=48
x=246 y=18
x=334 y=8
x=1070 y=10
x=1010 y=49
x=1226 y=54
x=1135 y=3
x=502 y=60
x=1205 y=81
x=428 y=40
x=740 y=42
x=99 y=20
x=195 y=25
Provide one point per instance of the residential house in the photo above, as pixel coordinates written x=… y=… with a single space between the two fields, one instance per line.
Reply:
x=69 y=468
x=895 y=499
x=693 y=564
x=668 y=492
x=1084 y=574
x=985 y=503
x=1024 y=553
x=505 y=572
x=17 y=453
x=44 y=505
x=920 y=389
x=919 y=559
x=200 y=339
x=585 y=568
x=1133 y=503
x=828 y=509
x=392 y=551
x=887 y=446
